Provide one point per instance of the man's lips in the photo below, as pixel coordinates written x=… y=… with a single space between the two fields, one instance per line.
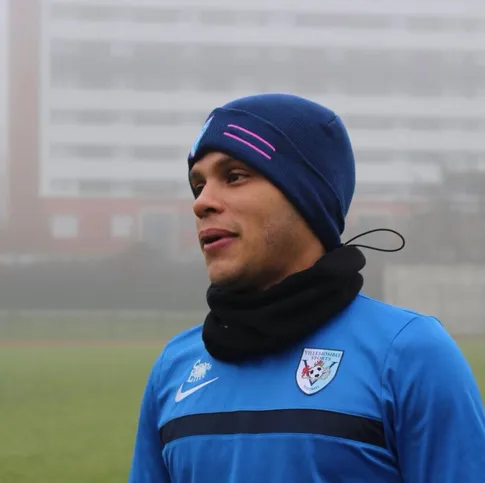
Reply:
x=215 y=237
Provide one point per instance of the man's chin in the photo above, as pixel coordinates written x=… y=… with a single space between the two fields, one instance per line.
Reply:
x=224 y=272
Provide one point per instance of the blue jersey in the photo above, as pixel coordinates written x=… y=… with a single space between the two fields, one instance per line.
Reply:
x=378 y=394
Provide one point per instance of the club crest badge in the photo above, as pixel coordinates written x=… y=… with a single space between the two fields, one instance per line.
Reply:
x=199 y=137
x=317 y=368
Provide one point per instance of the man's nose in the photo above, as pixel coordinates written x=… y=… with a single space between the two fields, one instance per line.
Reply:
x=208 y=201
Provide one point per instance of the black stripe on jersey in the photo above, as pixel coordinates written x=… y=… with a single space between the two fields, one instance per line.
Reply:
x=309 y=421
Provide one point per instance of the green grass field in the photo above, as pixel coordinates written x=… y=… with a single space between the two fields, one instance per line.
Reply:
x=69 y=413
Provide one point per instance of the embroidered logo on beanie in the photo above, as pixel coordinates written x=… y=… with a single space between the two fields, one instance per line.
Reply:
x=200 y=136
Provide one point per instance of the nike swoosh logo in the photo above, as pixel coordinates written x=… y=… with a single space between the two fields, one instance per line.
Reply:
x=182 y=395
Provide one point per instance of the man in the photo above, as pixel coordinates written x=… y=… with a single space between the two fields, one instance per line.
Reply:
x=295 y=375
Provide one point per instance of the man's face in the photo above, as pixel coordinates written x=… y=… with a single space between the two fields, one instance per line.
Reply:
x=250 y=234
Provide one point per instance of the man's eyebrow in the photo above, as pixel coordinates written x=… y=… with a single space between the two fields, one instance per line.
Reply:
x=196 y=174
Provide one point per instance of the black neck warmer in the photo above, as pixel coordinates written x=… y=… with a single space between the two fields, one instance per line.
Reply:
x=244 y=325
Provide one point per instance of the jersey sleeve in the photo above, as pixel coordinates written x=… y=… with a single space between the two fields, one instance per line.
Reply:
x=147 y=463
x=433 y=407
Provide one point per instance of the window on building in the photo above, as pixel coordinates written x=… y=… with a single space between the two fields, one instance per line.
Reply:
x=63 y=187
x=216 y=69
x=155 y=15
x=82 y=151
x=81 y=11
x=157 y=189
x=369 y=122
x=232 y=17
x=432 y=24
x=85 y=117
x=64 y=226
x=328 y=20
x=122 y=226
x=158 y=153
x=83 y=64
x=154 y=118
x=373 y=156
x=95 y=187
x=218 y=17
x=154 y=67
x=110 y=117
x=365 y=72
x=123 y=189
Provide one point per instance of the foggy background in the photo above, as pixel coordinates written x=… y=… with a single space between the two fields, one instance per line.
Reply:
x=100 y=102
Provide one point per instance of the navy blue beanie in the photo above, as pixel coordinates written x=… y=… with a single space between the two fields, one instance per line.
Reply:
x=300 y=146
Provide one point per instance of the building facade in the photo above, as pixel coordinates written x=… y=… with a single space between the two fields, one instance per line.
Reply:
x=4 y=50
x=118 y=89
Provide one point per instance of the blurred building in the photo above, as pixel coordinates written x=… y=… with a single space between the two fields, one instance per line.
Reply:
x=108 y=96
x=3 y=113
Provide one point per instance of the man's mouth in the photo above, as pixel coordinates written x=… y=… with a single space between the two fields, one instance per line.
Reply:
x=211 y=239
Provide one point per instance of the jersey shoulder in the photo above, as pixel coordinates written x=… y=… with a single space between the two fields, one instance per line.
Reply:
x=379 y=324
x=369 y=303
x=387 y=316
x=184 y=341
x=180 y=348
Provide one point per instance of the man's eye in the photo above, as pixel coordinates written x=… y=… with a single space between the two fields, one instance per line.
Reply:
x=197 y=189
x=233 y=177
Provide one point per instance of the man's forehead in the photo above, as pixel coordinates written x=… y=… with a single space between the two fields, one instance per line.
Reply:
x=211 y=162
